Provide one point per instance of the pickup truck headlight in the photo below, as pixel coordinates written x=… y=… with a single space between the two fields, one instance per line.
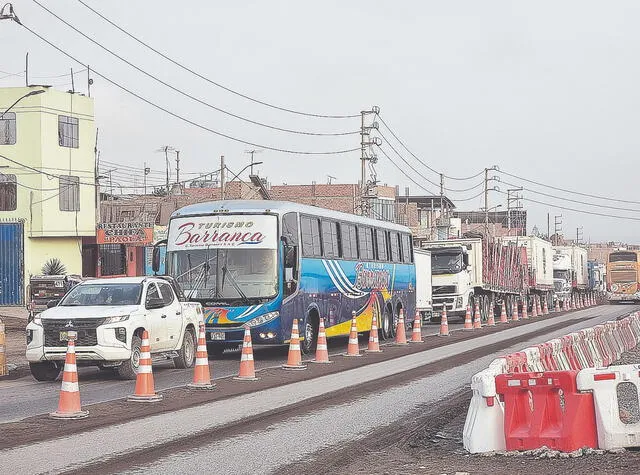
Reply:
x=262 y=319
x=37 y=320
x=116 y=319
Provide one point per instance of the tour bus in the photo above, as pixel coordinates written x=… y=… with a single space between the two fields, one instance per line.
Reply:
x=265 y=263
x=622 y=276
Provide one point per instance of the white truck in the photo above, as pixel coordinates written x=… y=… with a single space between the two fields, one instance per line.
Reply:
x=570 y=273
x=109 y=316
x=424 y=291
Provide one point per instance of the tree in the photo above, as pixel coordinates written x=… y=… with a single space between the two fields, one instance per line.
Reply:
x=54 y=266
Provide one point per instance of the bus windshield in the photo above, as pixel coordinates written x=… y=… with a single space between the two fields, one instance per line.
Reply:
x=623 y=257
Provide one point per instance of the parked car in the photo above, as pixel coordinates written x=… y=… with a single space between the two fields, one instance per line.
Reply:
x=47 y=288
x=109 y=316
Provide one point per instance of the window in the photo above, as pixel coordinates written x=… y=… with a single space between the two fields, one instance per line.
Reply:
x=405 y=240
x=112 y=259
x=8 y=129
x=68 y=131
x=395 y=247
x=8 y=192
x=330 y=239
x=383 y=208
x=381 y=245
x=311 y=246
x=365 y=241
x=290 y=228
x=152 y=292
x=349 y=241
x=69 y=195
x=167 y=293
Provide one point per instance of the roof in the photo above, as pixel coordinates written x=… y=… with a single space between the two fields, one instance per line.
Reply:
x=119 y=280
x=278 y=207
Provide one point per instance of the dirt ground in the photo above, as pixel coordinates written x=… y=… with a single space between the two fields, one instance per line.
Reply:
x=15 y=344
x=430 y=442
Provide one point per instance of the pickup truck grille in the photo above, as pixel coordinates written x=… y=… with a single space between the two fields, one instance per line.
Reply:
x=444 y=289
x=85 y=327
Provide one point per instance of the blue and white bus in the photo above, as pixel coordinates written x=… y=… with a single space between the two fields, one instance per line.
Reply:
x=264 y=263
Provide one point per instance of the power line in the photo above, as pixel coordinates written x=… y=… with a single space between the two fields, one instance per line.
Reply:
x=574 y=209
x=588 y=195
x=423 y=163
x=405 y=173
x=244 y=96
x=186 y=94
x=472 y=198
x=181 y=117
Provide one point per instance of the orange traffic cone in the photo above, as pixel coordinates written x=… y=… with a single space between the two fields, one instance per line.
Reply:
x=353 y=348
x=468 y=323
x=539 y=306
x=416 y=333
x=69 y=404
x=477 y=322
x=525 y=310
x=145 y=391
x=294 y=360
x=545 y=308
x=503 y=313
x=515 y=312
x=557 y=306
x=444 y=323
x=401 y=331
x=247 y=368
x=534 y=308
x=322 y=354
x=491 y=318
x=201 y=372
x=374 y=342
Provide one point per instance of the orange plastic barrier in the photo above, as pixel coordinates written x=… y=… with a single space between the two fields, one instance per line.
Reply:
x=546 y=409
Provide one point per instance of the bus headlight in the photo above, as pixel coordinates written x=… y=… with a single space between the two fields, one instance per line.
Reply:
x=262 y=319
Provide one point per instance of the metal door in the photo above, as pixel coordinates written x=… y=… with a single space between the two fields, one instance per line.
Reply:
x=11 y=264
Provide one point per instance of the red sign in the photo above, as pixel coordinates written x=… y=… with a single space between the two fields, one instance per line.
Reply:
x=124 y=233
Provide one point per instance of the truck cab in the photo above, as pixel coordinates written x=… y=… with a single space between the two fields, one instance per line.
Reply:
x=451 y=278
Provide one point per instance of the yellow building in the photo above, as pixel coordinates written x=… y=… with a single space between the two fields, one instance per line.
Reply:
x=47 y=183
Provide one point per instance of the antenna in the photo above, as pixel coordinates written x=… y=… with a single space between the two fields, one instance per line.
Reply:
x=330 y=178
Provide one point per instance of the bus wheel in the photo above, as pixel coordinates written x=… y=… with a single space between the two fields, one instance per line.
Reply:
x=386 y=325
x=310 y=333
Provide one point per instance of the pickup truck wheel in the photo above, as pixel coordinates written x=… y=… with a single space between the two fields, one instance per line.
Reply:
x=129 y=369
x=187 y=353
x=46 y=371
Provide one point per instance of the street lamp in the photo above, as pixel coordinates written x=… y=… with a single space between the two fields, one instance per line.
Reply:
x=28 y=94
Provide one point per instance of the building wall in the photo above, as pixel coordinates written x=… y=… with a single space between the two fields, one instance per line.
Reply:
x=48 y=231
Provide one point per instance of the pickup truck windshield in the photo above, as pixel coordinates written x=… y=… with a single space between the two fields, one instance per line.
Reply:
x=103 y=294
x=446 y=263
x=225 y=275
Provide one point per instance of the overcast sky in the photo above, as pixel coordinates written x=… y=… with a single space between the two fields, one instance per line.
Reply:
x=546 y=90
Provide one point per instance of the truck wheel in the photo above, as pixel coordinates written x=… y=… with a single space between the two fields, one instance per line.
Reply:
x=129 y=369
x=46 y=371
x=187 y=353
x=386 y=325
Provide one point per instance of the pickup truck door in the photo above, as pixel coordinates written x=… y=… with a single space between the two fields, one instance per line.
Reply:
x=173 y=311
x=157 y=318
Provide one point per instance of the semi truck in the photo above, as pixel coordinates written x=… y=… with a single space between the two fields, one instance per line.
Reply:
x=570 y=275
x=597 y=276
x=477 y=270
x=539 y=266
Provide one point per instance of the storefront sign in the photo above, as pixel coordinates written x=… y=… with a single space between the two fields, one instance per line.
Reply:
x=228 y=231
x=124 y=233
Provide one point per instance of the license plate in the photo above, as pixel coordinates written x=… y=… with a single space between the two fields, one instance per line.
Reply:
x=63 y=336
x=217 y=335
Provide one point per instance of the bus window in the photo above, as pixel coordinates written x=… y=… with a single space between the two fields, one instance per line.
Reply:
x=395 y=247
x=330 y=239
x=348 y=238
x=381 y=245
x=406 y=248
x=365 y=241
x=311 y=246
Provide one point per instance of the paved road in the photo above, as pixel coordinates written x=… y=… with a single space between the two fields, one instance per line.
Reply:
x=26 y=397
x=294 y=435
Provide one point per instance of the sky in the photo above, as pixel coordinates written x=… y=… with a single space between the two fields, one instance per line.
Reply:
x=545 y=90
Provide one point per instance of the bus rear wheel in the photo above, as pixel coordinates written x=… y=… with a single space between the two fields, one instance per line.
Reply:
x=310 y=333
x=386 y=325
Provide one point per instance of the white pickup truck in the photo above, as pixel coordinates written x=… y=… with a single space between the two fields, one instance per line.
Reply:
x=109 y=316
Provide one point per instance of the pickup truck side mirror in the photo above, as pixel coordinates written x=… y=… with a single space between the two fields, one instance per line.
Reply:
x=52 y=303
x=154 y=303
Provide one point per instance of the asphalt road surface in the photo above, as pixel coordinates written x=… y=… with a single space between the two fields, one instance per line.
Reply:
x=25 y=397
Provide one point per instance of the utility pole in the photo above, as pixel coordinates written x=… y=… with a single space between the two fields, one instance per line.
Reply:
x=486 y=200
x=557 y=228
x=513 y=196
x=178 y=167
x=365 y=144
x=579 y=234
x=222 y=178
x=330 y=179
x=441 y=195
x=252 y=163
x=147 y=170
x=166 y=149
